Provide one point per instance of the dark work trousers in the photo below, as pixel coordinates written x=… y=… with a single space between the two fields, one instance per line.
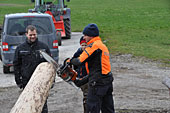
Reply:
x=45 y=108
x=100 y=98
x=84 y=89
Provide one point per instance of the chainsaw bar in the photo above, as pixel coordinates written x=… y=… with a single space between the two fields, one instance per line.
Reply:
x=49 y=59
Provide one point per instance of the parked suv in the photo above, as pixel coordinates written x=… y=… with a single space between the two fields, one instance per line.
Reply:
x=13 y=34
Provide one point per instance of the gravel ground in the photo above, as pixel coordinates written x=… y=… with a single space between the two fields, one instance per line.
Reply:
x=138 y=85
x=137 y=89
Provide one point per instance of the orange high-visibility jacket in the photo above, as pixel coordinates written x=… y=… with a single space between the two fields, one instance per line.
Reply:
x=97 y=57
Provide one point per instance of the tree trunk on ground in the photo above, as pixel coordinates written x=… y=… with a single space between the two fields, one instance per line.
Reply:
x=34 y=95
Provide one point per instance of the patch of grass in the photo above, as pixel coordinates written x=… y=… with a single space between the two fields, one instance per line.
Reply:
x=15 y=2
x=14 y=6
x=138 y=27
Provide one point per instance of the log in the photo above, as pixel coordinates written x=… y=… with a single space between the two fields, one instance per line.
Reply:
x=34 y=95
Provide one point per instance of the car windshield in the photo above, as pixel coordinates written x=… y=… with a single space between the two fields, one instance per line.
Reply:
x=17 y=26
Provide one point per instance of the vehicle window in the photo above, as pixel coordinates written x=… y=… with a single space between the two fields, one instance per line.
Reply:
x=17 y=26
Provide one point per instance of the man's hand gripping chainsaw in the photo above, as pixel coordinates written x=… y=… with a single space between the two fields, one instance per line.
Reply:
x=66 y=72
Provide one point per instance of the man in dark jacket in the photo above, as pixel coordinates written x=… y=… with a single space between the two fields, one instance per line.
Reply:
x=100 y=87
x=27 y=58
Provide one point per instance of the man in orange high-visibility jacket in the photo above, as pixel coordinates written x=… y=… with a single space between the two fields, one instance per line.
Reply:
x=100 y=79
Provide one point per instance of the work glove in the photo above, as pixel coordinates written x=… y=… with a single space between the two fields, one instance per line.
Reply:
x=62 y=66
x=67 y=61
x=81 y=81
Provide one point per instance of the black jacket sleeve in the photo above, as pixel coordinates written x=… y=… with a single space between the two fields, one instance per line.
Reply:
x=17 y=67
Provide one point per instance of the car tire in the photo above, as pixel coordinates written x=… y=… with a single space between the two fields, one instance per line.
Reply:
x=67 y=26
x=6 y=69
x=59 y=38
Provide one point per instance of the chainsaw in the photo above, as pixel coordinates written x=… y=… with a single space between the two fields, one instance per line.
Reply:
x=65 y=71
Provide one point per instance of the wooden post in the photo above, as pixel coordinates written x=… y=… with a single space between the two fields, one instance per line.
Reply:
x=34 y=95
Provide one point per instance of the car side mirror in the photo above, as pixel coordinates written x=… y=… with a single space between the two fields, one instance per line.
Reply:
x=68 y=0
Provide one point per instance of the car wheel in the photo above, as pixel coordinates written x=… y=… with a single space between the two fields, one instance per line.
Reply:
x=6 y=69
x=59 y=38
x=67 y=26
